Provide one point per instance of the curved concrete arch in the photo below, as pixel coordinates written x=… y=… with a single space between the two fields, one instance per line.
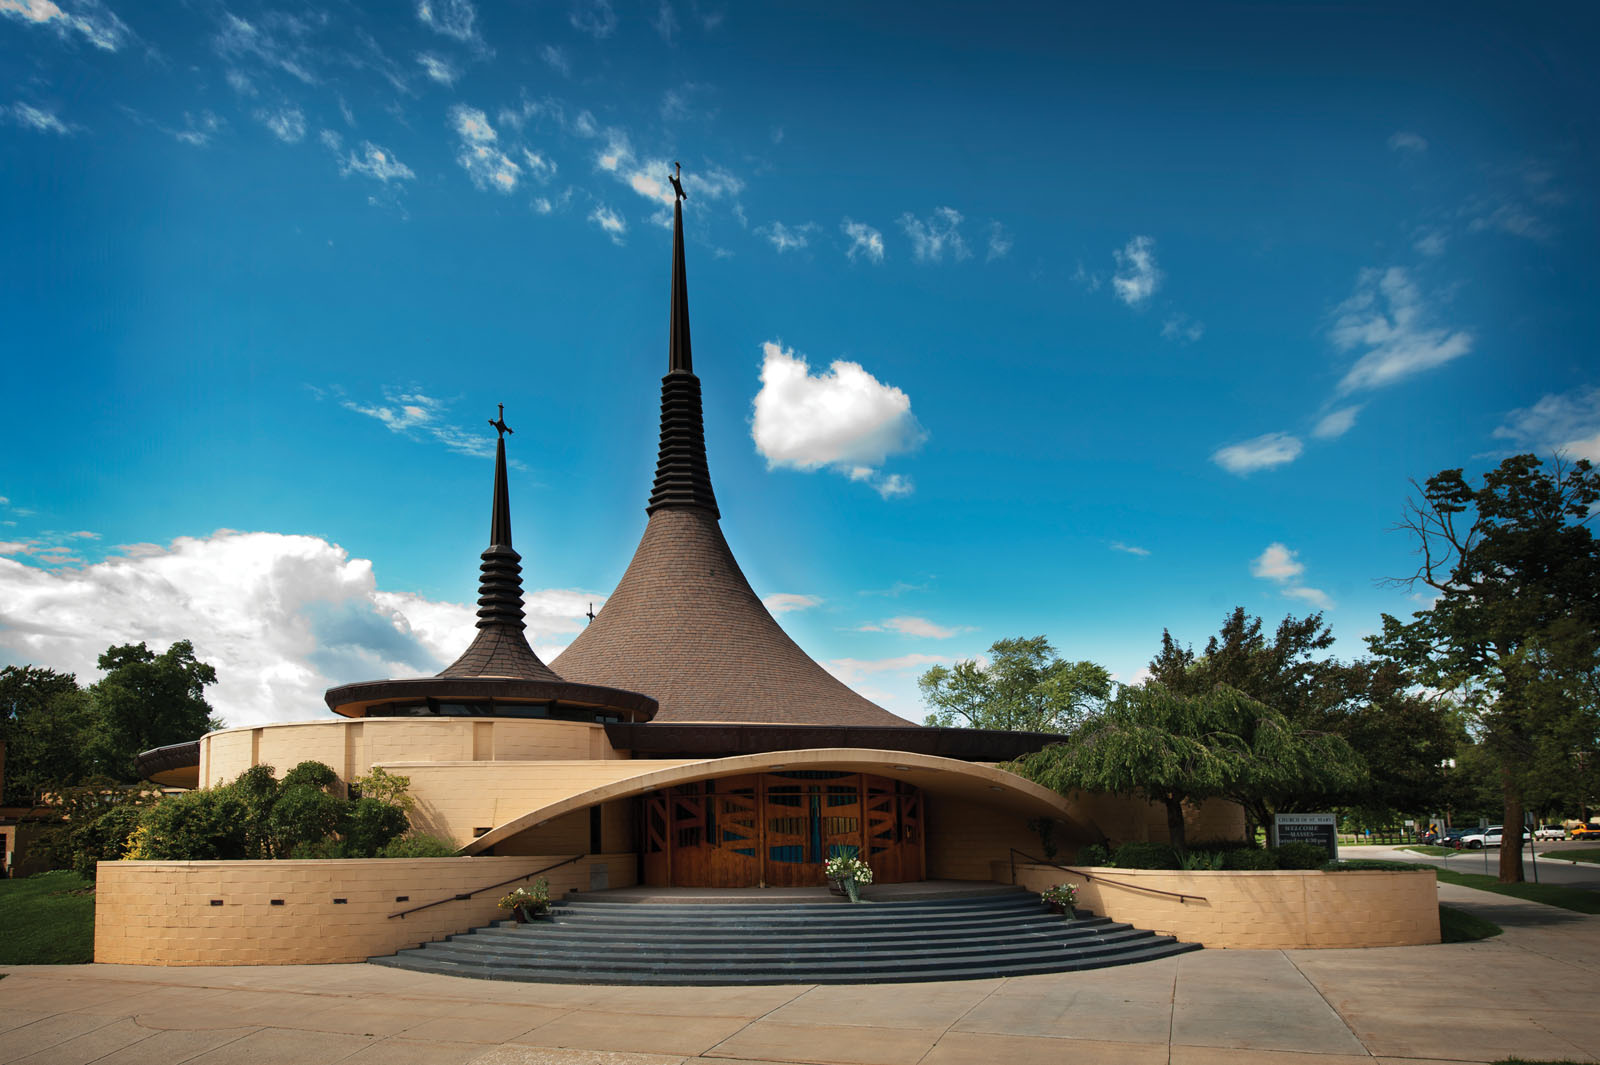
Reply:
x=975 y=781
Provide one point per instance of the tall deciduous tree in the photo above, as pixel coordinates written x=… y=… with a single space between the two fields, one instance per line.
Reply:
x=1515 y=628
x=148 y=700
x=1026 y=687
x=48 y=725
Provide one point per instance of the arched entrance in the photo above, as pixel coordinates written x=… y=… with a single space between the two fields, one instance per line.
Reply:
x=776 y=829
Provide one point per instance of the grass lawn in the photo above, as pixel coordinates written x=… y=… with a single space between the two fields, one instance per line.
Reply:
x=1568 y=898
x=49 y=920
x=1430 y=850
x=1573 y=856
x=1458 y=926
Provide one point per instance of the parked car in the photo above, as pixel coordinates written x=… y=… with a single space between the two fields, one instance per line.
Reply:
x=1479 y=838
x=1550 y=832
x=1586 y=832
x=1451 y=837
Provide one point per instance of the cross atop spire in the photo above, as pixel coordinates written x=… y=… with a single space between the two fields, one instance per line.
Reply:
x=500 y=422
x=677 y=185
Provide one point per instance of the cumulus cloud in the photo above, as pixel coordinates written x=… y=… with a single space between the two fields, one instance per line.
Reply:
x=282 y=618
x=1259 y=453
x=785 y=602
x=480 y=155
x=935 y=235
x=786 y=238
x=864 y=241
x=1568 y=422
x=1405 y=141
x=844 y=419
x=36 y=118
x=90 y=19
x=1386 y=321
x=422 y=417
x=288 y=124
x=1336 y=423
x=438 y=68
x=594 y=17
x=1137 y=276
x=452 y=18
x=1282 y=566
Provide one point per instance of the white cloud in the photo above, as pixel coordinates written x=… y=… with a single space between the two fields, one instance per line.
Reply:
x=288 y=124
x=594 y=17
x=1183 y=329
x=648 y=177
x=438 y=68
x=850 y=670
x=1137 y=276
x=37 y=118
x=785 y=602
x=1260 y=453
x=864 y=241
x=198 y=129
x=539 y=167
x=785 y=238
x=1431 y=242
x=1568 y=422
x=914 y=626
x=480 y=155
x=931 y=238
x=241 y=83
x=1000 y=242
x=97 y=23
x=556 y=60
x=1336 y=423
x=1404 y=141
x=844 y=419
x=610 y=221
x=1276 y=563
x=1281 y=566
x=1118 y=545
x=665 y=22
x=279 y=42
x=281 y=617
x=1515 y=219
x=371 y=161
x=1090 y=282
x=419 y=416
x=1385 y=320
x=453 y=18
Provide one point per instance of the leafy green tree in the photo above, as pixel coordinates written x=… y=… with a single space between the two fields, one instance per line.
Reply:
x=207 y=823
x=47 y=724
x=1514 y=629
x=97 y=818
x=147 y=700
x=1026 y=687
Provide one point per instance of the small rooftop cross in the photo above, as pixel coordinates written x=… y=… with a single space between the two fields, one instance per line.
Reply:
x=500 y=423
x=676 y=184
x=590 y=614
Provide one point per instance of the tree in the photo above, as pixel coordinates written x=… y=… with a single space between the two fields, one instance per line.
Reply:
x=1026 y=687
x=147 y=700
x=1515 y=628
x=47 y=724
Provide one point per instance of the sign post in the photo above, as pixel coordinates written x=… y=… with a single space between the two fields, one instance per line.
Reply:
x=1321 y=829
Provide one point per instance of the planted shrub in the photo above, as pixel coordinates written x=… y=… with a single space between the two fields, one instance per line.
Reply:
x=1093 y=854
x=419 y=846
x=1145 y=855
x=1300 y=855
x=1247 y=859
x=194 y=826
x=369 y=825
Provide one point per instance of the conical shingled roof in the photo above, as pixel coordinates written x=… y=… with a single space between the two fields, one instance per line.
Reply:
x=684 y=626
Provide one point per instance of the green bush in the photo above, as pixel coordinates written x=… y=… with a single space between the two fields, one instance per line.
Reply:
x=310 y=775
x=1143 y=855
x=304 y=815
x=1249 y=858
x=1207 y=860
x=369 y=825
x=1092 y=854
x=419 y=846
x=197 y=825
x=1300 y=855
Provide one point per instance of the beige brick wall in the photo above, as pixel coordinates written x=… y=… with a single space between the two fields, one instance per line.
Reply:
x=162 y=913
x=1273 y=909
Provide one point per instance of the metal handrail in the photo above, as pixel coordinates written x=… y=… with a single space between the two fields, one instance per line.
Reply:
x=1180 y=896
x=489 y=887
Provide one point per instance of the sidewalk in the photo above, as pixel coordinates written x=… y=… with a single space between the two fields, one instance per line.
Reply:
x=1515 y=994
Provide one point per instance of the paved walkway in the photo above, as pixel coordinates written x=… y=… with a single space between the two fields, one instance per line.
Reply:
x=1526 y=993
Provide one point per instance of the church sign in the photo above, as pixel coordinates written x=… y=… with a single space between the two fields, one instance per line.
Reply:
x=1320 y=829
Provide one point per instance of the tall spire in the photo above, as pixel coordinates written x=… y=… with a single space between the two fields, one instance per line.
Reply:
x=500 y=649
x=682 y=477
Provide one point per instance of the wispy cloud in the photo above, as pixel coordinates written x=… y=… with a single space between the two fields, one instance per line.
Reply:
x=1183 y=329
x=844 y=419
x=556 y=60
x=36 y=118
x=288 y=124
x=1000 y=242
x=1565 y=422
x=368 y=160
x=1137 y=276
x=276 y=41
x=1386 y=321
x=422 y=417
x=609 y=221
x=1283 y=567
x=594 y=17
x=648 y=176
x=90 y=19
x=1406 y=141
x=1336 y=423
x=1430 y=242
x=787 y=238
x=480 y=155
x=457 y=19
x=438 y=68
x=915 y=626
x=935 y=235
x=665 y=23
x=1258 y=453
x=1515 y=219
x=1118 y=545
x=198 y=129
x=788 y=602
x=865 y=241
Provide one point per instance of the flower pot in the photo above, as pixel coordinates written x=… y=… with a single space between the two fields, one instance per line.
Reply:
x=836 y=887
x=519 y=916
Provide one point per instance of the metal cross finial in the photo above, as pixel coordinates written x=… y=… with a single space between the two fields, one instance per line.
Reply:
x=590 y=614
x=500 y=423
x=676 y=184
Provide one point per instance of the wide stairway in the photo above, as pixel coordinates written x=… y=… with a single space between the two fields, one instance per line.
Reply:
x=589 y=941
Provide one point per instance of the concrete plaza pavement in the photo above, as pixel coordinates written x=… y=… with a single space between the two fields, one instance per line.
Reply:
x=1526 y=993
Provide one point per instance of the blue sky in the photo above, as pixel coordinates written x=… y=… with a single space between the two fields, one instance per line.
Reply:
x=1086 y=322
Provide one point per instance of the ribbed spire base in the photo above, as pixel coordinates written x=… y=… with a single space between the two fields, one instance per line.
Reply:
x=682 y=476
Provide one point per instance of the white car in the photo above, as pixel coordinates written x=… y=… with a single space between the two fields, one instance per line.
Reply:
x=1482 y=837
x=1550 y=832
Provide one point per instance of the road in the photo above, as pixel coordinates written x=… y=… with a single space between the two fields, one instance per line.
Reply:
x=1551 y=869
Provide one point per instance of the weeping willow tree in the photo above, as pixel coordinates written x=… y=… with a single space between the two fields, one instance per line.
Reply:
x=1177 y=749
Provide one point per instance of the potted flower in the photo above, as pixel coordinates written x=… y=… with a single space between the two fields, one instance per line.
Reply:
x=846 y=876
x=1060 y=898
x=526 y=905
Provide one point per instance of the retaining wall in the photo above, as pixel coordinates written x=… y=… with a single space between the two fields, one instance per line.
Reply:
x=225 y=913
x=1269 y=909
